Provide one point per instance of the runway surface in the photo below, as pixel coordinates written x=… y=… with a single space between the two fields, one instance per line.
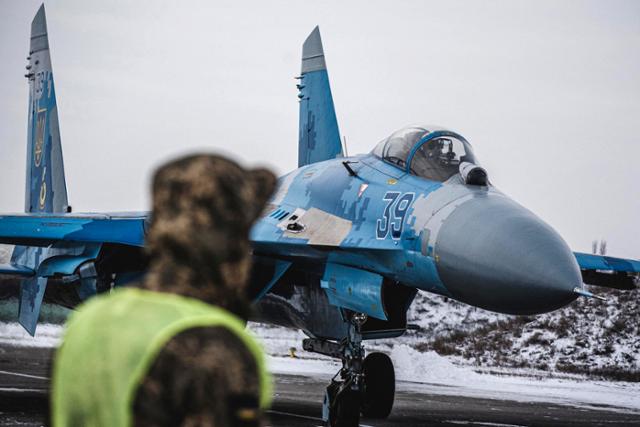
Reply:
x=24 y=380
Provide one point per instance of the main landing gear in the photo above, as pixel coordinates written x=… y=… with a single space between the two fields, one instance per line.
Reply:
x=364 y=385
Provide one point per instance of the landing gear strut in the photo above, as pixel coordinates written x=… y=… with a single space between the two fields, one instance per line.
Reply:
x=363 y=385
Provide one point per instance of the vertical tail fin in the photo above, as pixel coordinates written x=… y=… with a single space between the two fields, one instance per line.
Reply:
x=45 y=188
x=319 y=137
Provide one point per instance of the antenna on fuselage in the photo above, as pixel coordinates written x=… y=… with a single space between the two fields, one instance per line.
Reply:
x=344 y=146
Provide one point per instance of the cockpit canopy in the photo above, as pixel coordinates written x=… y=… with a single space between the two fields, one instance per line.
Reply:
x=433 y=154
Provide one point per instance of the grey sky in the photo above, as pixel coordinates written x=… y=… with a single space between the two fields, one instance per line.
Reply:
x=547 y=92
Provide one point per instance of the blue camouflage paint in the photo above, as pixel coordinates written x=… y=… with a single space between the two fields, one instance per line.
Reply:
x=67 y=264
x=31 y=295
x=319 y=137
x=44 y=230
x=46 y=190
x=327 y=186
x=16 y=270
x=606 y=263
x=45 y=183
x=355 y=289
x=41 y=188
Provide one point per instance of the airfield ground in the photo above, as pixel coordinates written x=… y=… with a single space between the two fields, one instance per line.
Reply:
x=24 y=373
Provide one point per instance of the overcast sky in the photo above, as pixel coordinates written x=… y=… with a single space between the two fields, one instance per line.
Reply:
x=547 y=92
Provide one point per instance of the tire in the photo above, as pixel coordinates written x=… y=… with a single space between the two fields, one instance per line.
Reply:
x=379 y=386
x=345 y=410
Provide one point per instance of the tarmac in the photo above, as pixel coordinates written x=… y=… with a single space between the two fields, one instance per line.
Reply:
x=24 y=383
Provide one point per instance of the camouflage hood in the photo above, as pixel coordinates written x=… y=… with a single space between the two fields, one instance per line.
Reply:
x=198 y=241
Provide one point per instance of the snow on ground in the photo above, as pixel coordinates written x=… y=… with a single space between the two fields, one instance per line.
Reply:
x=428 y=372
x=422 y=372
x=5 y=253
x=47 y=335
x=588 y=336
x=420 y=369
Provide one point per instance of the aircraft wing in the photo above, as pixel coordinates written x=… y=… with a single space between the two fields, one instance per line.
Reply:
x=610 y=272
x=66 y=248
x=46 y=229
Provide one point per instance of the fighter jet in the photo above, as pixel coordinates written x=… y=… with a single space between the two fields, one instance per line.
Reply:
x=342 y=249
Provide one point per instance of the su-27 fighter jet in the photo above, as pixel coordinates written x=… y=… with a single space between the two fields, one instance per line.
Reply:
x=343 y=248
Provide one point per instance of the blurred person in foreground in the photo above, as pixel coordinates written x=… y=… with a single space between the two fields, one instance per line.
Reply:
x=175 y=352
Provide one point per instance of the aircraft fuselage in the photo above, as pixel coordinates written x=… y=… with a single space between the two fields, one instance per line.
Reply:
x=469 y=242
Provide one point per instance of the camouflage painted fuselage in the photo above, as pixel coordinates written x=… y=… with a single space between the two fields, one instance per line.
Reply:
x=364 y=242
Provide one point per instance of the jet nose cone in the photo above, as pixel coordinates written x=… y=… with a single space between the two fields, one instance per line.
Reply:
x=495 y=254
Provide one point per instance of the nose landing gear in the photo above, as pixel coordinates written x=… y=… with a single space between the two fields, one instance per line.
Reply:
x=363 y=386
x=379 y=386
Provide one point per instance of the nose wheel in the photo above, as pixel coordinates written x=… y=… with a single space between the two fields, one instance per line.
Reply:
x=341 y=406
x=363 y=386
x=379 y=386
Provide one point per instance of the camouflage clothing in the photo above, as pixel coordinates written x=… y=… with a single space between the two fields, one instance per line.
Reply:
x=202 y=377
x=203 y=209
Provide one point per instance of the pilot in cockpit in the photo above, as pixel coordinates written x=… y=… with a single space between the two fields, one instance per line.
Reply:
x=437 y=158
x=436 y=150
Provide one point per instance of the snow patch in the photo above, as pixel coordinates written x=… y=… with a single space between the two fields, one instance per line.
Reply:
x=429 y=367
x=422 y=371
x=5 y=253
x=47 y=335
x=428 y=372
x=317 y=368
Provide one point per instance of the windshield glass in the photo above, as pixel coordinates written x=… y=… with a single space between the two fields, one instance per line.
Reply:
x=439 y=159
x=396 y=148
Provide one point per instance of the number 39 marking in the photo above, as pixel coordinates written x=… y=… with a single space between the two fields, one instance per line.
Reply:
x=393 y=215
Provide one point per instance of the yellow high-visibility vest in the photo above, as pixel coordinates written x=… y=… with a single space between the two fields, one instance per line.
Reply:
x=110 y=344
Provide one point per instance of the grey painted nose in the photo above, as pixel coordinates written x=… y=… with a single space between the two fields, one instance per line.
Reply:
x=495 y=254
